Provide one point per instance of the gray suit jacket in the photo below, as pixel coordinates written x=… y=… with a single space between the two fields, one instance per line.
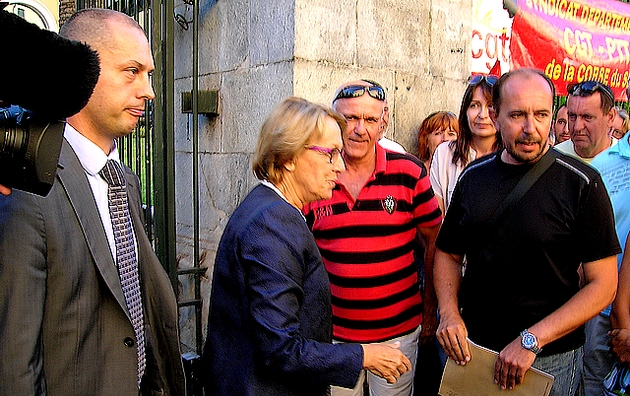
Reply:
x=64 y=325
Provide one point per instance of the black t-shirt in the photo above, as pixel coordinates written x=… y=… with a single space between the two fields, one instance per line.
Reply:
x=526 y=266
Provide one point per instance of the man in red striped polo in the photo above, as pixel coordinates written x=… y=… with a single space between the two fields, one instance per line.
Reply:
x=368 y=233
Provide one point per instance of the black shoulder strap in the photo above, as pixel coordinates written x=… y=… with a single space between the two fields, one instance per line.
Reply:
x=522 y=187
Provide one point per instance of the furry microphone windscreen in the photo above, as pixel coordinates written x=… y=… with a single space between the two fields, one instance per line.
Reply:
x=43 y=72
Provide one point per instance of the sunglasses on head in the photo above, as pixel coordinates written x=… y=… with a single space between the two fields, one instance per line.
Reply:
x=355 y=91
x=587 y=88
x=477 y=78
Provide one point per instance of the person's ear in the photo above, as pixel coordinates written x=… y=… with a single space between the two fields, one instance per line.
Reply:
x=610 y=117
x=381 y=131
x=289 y=165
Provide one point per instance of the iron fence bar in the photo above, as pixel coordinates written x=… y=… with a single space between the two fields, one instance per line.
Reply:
x=164 y=140
x=144 y=155
x=187 y=303
x=197 y=278
x=196 y=272
x=192 y=271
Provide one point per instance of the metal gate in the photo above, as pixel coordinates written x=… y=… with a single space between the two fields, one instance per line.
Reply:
x=150 y=151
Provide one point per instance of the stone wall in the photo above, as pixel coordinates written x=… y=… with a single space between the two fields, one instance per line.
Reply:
x=418 y=50
x=256 y=52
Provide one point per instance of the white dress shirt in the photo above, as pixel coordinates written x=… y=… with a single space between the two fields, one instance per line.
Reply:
x=92 y=160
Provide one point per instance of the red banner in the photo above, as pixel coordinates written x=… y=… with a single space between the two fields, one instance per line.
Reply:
x=574 y=41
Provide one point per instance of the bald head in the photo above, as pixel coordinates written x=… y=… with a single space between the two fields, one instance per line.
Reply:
x=124 y=84
x=527 y=73
x=94 y=27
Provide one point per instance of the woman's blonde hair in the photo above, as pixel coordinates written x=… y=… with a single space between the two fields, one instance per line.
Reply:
x=624 y=117
x=285 y=133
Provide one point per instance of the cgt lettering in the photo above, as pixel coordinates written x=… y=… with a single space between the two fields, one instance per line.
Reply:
x=492 y=45
x=578 y=43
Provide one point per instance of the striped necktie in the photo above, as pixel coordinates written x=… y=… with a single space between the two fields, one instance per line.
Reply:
x=126 y=260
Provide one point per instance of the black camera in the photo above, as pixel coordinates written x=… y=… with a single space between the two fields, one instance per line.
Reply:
x=29 y=150
x=59 y=87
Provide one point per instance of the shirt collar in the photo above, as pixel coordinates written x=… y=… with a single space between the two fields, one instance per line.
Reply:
x=623 y=147
x=91 y=156
x=270 y=185
x=619 y=147
x=381 y=160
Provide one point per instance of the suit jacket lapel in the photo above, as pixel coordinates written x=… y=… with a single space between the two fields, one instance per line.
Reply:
x=145 y=249
x=74 y=181
x=135 y=210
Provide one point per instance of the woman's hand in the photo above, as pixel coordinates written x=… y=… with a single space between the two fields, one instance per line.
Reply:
x=385 y=360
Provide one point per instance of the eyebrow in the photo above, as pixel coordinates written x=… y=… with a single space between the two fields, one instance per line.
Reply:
x=135 y=63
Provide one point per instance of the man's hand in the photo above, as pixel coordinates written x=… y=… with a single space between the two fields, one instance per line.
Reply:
x=4 y=190
x=452 y=335
x=512 y=364
x=385 y=360
x=620 y=344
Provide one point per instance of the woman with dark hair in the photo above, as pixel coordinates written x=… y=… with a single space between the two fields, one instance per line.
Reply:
x=477 y=138
x=270 y=321
x=438 y=127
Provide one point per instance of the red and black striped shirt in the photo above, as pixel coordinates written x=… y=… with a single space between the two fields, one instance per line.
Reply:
x=368 y=247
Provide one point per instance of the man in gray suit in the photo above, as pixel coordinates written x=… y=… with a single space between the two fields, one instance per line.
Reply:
x=65 y=324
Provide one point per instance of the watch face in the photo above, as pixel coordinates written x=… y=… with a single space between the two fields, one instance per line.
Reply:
x=528 y=340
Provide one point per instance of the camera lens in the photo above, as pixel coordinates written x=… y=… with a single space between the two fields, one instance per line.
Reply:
x=29 y=149
x=14 y=142
x=14 y=139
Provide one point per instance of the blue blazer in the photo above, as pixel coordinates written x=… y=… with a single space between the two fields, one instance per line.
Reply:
x=270 y=328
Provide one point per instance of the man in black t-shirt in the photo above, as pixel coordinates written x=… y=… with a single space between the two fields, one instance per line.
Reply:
x=520 y=294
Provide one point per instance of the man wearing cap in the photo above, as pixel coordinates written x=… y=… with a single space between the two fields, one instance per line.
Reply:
x=591 y=112
x=367 y=234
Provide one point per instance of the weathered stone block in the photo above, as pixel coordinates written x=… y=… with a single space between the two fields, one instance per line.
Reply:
x=326 y=31
x=392 y=34
x=272 y=31
x=247 y=98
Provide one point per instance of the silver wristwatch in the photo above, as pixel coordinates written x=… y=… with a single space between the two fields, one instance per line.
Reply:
x=529 y=342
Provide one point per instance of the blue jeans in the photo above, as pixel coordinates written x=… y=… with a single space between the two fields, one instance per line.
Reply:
x=567 y=369
x=598 y=360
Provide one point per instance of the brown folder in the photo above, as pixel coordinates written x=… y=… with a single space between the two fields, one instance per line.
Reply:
x=476 y=378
